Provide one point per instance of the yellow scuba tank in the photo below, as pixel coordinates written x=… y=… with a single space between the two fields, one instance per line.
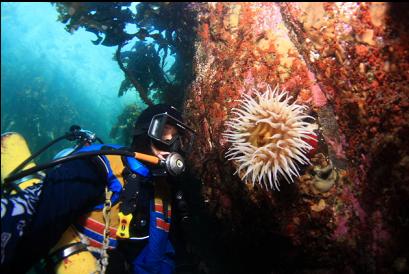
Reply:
x=81 y=262
x=14 y=150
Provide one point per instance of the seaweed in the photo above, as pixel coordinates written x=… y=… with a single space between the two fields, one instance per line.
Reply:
x=171 y=31
x=122 y=131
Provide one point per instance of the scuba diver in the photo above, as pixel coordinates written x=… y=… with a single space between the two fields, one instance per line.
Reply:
x=102 y=208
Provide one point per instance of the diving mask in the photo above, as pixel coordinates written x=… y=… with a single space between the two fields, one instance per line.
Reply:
x=171 y=133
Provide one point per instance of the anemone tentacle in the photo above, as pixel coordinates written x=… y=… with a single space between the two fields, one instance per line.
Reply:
x=268 y=137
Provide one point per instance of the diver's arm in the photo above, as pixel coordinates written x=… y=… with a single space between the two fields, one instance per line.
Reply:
x=17 y=212
x=69 y=191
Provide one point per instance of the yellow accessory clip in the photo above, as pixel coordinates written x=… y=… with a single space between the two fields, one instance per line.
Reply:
x=124 y=222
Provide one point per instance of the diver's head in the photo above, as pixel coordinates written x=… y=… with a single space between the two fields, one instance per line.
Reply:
x=160 y=130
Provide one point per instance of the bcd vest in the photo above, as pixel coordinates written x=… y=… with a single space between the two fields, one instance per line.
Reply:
x=138 y=212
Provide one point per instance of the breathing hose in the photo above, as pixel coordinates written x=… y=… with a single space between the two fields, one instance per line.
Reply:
x=174 y=163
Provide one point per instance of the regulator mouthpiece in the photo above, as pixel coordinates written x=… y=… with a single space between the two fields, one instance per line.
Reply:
x=174 y=164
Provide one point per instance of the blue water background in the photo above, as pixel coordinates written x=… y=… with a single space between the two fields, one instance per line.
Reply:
x=51 y=79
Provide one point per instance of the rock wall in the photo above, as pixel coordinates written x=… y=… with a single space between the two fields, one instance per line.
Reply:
x=349 y=62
